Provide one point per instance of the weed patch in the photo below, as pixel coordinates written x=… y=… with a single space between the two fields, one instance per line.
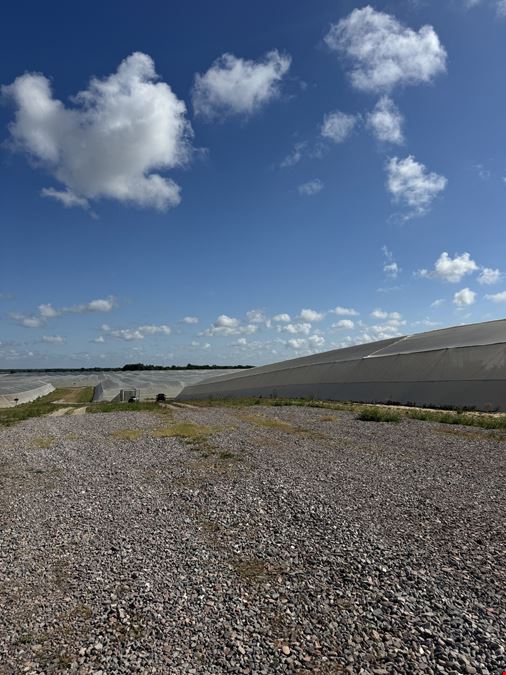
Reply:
x=378 y=415
x=270 y=423
x=44 y=441
x=24 y=411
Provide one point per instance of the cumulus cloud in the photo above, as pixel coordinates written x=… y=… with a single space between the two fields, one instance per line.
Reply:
x=344 y=311
x=256 y=316
x=236 y=86
x=337 y=126
x=27 y=320
x=311 y=315
x=450 y=269
x=383 y=53
x=381 y=314
x=348 y=324
x=412 y=185
x=385 y=121
x=284 y=318
x=110 y=142
x=497 y=297
x=489 y=276
x=310 y=188
x=228 y=325
x=464 y=298
x=296 y=328
x=48 y=311
x=190 y=320
x=99 y=339
x=138 y=333
x=297 y=343
x=437 y=303
x=316 y=341
x=53 y=339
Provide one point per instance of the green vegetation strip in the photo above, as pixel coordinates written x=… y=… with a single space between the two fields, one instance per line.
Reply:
x=471 y=419
x=45 y=405
x=137 y=406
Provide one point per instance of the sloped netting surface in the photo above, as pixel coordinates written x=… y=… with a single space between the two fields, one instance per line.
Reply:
x=456 y=374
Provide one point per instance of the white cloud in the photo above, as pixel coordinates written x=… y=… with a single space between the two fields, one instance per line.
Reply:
x=154 y=330
x=438 y=302
x=65 y=197
x=381 y=314
x=489 y=276
x=53 y=339
x=99 y=339
x=450 y=269
x=296 y=328
x=48 y=311
x=118 y=132
x=190 y=320
x=464 y=298
x=100 y=305
x=385 y=121
x=284 y=318
x=337 y=126
x=236 y=86
x=497 y=297
x=501 y=8
x=224 y=321
x=27 y=320
x=391 y=270
x=411 y=184
x=383 y=53
x=228 y=325
x=256 y=316
x=297 y=343
x=310 y=188
x=348 y=324
x=294 y=156
x=311 y=315
x=129 y=334
x=316 y=341
x=344 y=311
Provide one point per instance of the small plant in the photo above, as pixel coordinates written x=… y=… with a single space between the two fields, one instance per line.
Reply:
x=269 y=423
x=227 y=455
x=378 y=415
x=44 y=441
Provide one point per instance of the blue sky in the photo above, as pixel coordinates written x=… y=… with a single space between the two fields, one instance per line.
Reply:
x=247 y=182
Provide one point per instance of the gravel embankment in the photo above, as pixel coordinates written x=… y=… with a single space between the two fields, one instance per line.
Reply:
x=324 y=546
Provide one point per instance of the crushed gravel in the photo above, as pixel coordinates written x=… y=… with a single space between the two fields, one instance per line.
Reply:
x=290 y=540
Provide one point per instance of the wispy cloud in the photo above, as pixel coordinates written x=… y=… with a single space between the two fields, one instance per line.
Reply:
x=411 y=185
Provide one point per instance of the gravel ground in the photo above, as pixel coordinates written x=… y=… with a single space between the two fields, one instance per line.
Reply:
x=290 y=540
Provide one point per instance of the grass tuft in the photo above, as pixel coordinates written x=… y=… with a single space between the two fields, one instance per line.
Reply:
x=378 y=415
x=472 y=419
x=44 y=441
x=108 y=407
x=269 y=423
